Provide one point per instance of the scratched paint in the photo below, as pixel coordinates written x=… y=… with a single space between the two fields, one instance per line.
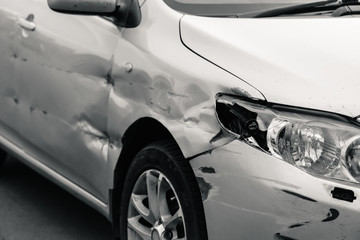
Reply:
x=204 y=187
x=59 y=104
x=165 y=85
x=286 y=202
x=206 y=169
x=87 y=99
x=72 y=111
x=8 y=58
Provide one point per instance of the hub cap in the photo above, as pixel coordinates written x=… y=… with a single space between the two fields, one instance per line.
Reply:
x=154 y=211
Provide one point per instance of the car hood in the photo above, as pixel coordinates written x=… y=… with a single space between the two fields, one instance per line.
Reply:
x=306 y=62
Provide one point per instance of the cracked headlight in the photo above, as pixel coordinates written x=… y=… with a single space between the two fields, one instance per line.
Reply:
x=317 y=142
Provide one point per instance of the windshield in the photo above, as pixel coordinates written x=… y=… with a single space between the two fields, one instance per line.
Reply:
x=242 y=1
x=229 y=7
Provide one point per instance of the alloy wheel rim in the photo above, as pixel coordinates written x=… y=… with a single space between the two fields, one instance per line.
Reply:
x=154 y=211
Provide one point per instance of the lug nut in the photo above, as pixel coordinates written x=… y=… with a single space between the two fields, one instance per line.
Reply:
x=168 y=235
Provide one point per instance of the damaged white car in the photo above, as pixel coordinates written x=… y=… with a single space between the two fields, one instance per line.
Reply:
x=179 y=119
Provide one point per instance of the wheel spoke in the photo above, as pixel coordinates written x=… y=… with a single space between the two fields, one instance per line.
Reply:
x=155 y=206
x=163 y=187
x=137 y=201
x=171 y=222
x=151 y=185
x=143 y=231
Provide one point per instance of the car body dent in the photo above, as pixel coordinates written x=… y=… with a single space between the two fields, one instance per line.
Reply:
x=164 y=84
x=267 y=193
x=59 y=104
x=308 y=62
x=89 y=97
x=8 y=61
x=152 y=72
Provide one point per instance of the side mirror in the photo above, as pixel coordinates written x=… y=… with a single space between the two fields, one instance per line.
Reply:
x=83 y=6
x=125 y=13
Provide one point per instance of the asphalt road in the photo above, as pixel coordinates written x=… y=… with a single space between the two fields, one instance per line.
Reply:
x=33 y=208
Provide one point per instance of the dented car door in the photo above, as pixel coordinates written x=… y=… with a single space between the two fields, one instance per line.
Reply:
x=66 y=97
x=9 y=62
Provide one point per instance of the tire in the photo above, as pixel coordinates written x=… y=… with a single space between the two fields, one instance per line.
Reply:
x=161 y=198
x=3 y=155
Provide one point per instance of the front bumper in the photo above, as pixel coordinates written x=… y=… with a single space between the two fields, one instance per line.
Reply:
x=248 y=194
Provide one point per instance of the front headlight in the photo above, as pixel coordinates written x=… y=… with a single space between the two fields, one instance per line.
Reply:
x=317 y=142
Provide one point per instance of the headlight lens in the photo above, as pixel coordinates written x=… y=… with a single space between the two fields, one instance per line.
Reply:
x=316 y=142
x=312 y=146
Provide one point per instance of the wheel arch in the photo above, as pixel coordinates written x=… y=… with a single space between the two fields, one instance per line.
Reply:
x=139 y=134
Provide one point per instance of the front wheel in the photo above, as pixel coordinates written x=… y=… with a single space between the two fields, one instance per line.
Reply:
x=3 y=155
x=161 y=198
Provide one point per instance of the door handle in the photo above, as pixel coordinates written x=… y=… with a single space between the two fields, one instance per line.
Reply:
x=27 y=23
